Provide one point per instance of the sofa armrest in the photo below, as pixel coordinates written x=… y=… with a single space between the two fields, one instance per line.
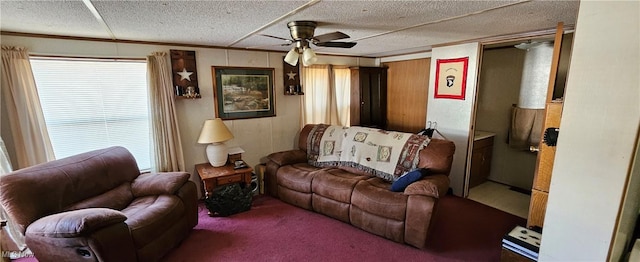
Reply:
x=164 y=183
x=75 y=223
x=189 y=196
x=431 y=185
x=288 y=157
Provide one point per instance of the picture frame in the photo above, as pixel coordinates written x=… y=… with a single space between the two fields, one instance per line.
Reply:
x=243 y=92
x=451 y=78
x=291 y=79
x=184 y=73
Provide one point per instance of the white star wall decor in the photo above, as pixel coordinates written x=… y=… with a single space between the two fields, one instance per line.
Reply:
x=292 y=75
x=185 y=75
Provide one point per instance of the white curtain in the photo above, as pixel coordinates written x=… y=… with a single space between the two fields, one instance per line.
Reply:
x=11 y=230
x=28 y=128
x=342 y=87
x=316 y=95
x=327 y=95
x=167 y=147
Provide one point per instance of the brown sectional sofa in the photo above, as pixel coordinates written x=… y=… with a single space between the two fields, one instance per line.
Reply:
x=96 y=206
x=356 y=197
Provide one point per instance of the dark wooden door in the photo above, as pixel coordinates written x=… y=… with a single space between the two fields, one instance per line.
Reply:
x=369 y=96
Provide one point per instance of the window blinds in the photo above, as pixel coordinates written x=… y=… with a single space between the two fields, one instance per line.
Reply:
x=89 y=104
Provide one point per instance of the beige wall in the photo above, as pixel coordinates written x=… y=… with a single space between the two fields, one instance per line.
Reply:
x=498 y=89
x=258 y=137
x=600 y=123
x=454 y=116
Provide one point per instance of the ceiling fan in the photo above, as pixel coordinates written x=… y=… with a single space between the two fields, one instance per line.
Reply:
x=302 y=36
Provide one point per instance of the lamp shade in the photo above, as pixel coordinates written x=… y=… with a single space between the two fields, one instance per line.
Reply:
x=292 y=57
x=308 y=57
x=214 y=131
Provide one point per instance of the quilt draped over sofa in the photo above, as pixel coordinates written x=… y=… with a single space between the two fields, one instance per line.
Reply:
x=328 y=175
x=385 y=154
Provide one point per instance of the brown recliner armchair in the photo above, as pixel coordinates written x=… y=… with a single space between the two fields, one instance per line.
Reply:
x=96 y=206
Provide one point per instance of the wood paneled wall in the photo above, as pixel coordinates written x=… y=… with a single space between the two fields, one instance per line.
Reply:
x=407 y=90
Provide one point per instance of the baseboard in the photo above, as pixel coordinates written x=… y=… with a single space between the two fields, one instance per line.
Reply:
x=520 y=190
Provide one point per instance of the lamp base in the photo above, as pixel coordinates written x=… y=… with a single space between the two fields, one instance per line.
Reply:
x=217 y=154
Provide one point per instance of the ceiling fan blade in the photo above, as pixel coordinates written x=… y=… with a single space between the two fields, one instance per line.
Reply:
x=336 y=44
x=330 y=36
x=264 y=46
x=277 y=37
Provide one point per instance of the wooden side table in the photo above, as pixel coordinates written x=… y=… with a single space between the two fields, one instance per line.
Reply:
x=213 y=177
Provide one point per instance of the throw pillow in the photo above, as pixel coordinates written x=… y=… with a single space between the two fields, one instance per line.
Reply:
x=408 y=178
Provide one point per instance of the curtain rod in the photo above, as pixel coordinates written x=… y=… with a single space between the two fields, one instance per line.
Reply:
x=86 y=58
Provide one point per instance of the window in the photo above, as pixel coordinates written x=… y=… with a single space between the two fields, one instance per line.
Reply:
x=327 y=95
x=342 y=87
x=90 y=104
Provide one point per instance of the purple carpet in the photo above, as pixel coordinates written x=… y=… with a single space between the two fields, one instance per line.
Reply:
x=272 y=230
x=464 y=230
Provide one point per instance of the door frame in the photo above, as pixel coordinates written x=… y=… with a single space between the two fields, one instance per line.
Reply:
x=551 y=33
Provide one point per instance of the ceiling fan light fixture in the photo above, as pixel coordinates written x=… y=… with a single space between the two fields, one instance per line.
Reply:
x=292 y=57
x=308 y=57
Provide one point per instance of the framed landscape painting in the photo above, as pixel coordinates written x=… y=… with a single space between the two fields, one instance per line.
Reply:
x=243 y=92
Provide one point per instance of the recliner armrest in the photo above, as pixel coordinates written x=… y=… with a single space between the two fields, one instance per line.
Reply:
x=164 y=183
x=75 y=223
x=288 y=157
x=431 y=185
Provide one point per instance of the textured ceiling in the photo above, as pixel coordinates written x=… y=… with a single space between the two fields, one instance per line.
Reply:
x=381 y=28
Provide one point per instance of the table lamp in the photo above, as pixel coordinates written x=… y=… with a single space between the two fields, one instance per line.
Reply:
x=215 y=132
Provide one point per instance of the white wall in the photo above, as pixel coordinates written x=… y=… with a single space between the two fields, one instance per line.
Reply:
x=599 y=127
x=404 y=57
x=623 y=238
x=258 y=136
x=454 y=116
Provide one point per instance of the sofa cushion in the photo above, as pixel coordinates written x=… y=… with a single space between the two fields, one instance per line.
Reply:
x=295 y=198
x=432 y=185
x=408 y=178
x=331 y=208
x=438 y=156
x=117 y=198
x=373 y=196
x=288 y=157
x=297 y=177
x=336 y=184
x=158 y=184
x=148 y=217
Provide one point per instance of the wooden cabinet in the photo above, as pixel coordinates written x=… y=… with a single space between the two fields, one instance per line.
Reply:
x=481 y=160
x=369 y=96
